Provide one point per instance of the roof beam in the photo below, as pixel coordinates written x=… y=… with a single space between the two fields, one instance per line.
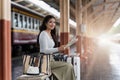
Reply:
x=99 y=15
x=18 y=1
x=108 y=2
x=48 y=0
x=72 y=12
x=93 y=1
x=108 y=11
x=29 y=5
x=88 y=5
x=115 y=12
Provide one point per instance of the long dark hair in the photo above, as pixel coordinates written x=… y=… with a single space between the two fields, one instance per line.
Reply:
x=44 y=27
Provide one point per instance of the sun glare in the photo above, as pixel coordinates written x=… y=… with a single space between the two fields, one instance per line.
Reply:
x=103 y=40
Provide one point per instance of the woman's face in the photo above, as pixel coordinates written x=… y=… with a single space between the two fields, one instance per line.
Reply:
x=51 y=24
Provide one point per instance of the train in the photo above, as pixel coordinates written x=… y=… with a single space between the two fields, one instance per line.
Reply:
x=25 y=25
x=25 y=28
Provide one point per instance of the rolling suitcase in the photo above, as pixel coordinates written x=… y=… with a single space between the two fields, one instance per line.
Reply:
x=75 y=61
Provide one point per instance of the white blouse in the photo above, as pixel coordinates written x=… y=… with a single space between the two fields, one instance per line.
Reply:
x=46 y=43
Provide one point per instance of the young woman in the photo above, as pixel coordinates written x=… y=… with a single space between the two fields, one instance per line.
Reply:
x=48 y=45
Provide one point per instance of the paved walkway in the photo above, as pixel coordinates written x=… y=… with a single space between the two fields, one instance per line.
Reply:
x=16 y=67
x=105 y=63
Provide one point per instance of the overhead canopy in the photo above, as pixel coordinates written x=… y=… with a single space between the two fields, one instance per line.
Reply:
x=101 y=14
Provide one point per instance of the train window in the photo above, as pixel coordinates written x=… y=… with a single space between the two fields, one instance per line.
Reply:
x=12 y=18
x=29 y=23
x=25 y=22
x=38 y=24
x=33 y=22
x=21 y=21
x=15 y=22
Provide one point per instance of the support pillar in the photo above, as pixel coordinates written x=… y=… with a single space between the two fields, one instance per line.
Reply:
x=85 y=32
x=64 y=23
x=5 y=40
x=78 y=28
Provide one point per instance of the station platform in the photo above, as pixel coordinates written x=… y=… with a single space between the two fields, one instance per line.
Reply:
x=103 y=65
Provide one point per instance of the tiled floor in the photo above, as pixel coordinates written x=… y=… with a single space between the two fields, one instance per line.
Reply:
x=104 y=64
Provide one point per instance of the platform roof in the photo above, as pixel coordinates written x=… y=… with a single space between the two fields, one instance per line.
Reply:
x=101 y=14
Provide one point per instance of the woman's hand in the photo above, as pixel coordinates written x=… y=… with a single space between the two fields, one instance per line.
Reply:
x=61 y=48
